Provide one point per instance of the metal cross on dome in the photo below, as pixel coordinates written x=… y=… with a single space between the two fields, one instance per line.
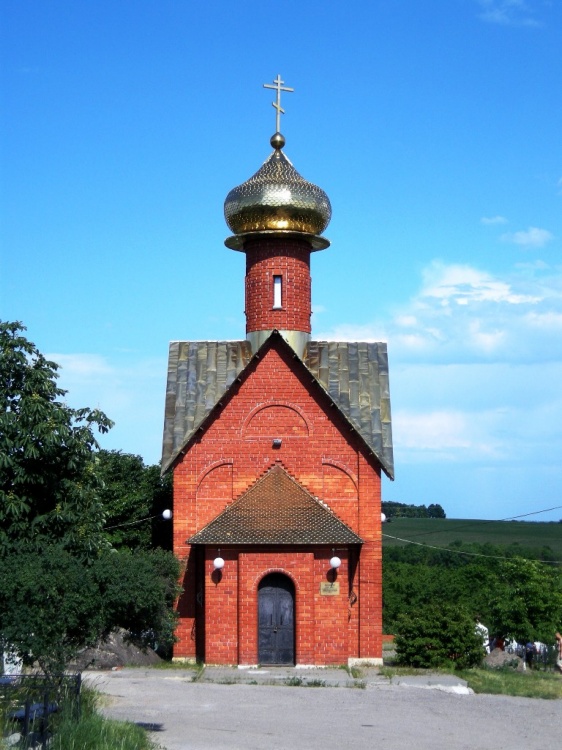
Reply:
x=278 y=84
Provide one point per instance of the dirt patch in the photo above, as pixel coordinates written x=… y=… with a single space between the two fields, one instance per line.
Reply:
x=116 y=651
x=499 y=659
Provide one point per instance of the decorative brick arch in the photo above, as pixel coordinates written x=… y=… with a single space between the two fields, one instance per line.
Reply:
x=214 y=490
x=342 y=467
x=288 y=420
x=340 y=490
x=211 y=467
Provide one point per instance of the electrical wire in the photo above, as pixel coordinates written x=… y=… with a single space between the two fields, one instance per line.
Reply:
x=131 y=523
x=469 y=554
x=482 y=520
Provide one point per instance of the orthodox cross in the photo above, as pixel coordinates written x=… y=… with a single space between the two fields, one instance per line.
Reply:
x=278 y=84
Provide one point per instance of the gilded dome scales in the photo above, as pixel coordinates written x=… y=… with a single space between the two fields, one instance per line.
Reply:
x=276 y=199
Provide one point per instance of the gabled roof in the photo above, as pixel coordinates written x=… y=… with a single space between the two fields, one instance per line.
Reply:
x=353 y=375
x=276 y=510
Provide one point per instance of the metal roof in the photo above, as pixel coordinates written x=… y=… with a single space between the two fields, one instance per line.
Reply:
x=353 y=375
x=276 y=510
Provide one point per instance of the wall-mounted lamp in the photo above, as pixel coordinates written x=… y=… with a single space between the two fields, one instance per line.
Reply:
x=277 y=442
x=166 y=514
x=218 y=562
x=335 y=562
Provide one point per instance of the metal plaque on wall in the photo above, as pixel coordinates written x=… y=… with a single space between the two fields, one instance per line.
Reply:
x=329 y=589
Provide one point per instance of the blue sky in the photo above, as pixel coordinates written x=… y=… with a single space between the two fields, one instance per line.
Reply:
x=433 y=126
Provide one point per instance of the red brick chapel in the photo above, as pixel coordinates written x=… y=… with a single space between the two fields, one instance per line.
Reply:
x=277 y=445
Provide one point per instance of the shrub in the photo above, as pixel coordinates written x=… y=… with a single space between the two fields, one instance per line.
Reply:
x=441 y=636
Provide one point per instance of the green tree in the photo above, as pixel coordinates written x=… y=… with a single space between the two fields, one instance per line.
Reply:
x=438 y=636
x=47 y=478
x=52 y=604
x=526 y=601
x=50 y=607
x=393 y=509
x=138 y=590
x=435 y=511
x=514 y=597
x=62 y=585
x=130 y=493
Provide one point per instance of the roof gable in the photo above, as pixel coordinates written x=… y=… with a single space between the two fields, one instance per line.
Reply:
x=353 y=375
x=276 y=510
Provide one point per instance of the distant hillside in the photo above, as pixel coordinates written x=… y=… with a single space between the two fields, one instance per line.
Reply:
x=444 y=532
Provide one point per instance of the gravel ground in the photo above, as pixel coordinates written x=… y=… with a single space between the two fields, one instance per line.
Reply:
x=208 y=716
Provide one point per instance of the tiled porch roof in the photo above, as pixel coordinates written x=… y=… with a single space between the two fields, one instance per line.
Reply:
x=276 y=510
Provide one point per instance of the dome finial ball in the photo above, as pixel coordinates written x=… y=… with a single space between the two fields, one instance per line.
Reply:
x=277 y=141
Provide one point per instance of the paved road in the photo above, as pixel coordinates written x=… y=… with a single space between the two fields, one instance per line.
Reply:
x=209 y=716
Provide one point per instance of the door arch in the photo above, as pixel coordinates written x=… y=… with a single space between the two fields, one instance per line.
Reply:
x=276 y=620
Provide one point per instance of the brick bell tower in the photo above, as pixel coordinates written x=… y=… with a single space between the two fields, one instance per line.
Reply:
x=277 y=218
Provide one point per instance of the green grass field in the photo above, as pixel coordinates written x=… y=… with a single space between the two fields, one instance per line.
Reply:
x=442 y=532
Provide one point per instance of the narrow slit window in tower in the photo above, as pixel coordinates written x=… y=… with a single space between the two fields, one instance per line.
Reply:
x=277 y=288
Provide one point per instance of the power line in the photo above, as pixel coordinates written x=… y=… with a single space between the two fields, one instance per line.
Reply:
x=533 y=513
x=482 y=520
x=163 y=515
x=468 y=554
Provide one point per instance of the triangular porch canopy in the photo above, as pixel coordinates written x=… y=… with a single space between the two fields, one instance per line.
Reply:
x=276 y=510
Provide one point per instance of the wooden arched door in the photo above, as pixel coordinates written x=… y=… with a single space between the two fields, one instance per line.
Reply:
x=276 y=620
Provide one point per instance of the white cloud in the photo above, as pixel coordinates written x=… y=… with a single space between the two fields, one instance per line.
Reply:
x=450 y=435
x=318 y=309
x=507 y=12
x=547 y=320
x=464 y=284
x=81 y=366
x=353 y=332
x=487 y=414
x=493 y=220
x=532 y=237
x=435 y=431
x=536 y=265
x=485 y=341
x=406 y=320
x=464 y=314
x=475 y=372
x=413 y=341
x=129 y=389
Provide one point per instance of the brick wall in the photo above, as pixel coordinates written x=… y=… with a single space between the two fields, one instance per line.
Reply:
x=322 y=453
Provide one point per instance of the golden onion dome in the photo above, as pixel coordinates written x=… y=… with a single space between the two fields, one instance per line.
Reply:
x=277 y=199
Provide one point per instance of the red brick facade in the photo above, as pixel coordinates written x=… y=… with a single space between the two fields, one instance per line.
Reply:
x=276 y=399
